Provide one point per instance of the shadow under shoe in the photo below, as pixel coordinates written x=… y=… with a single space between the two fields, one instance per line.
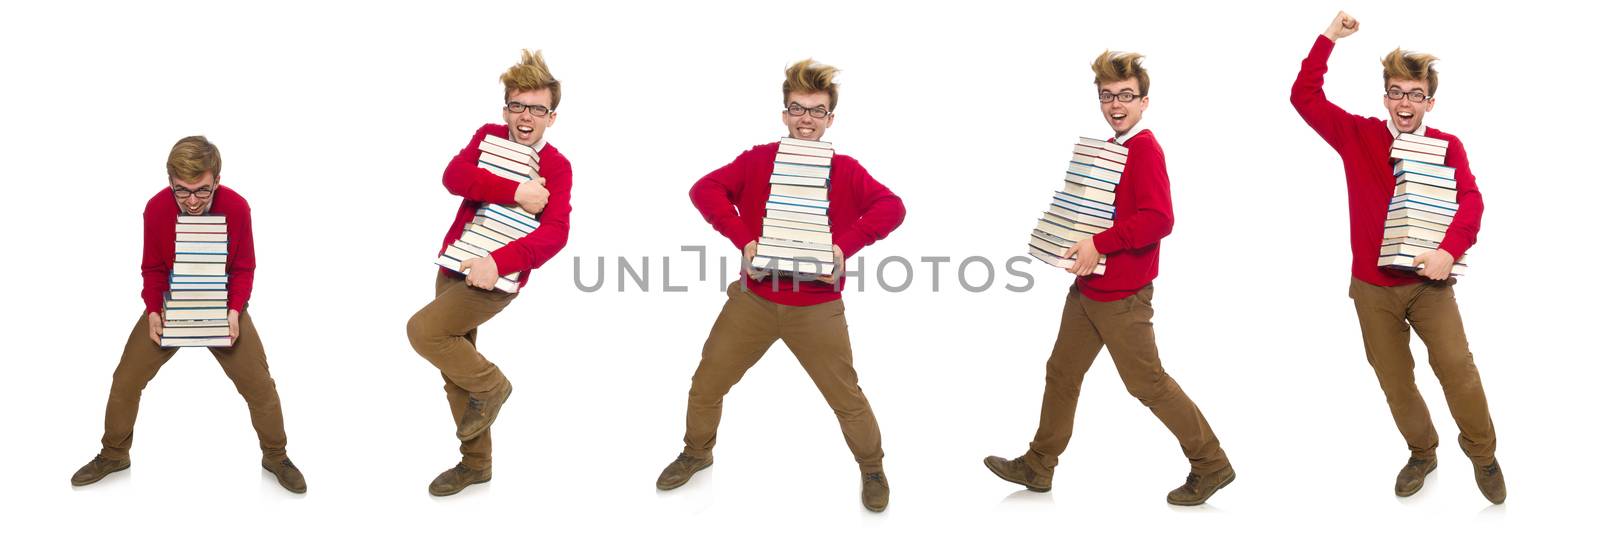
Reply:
x=1196 y=489
x=1411 y=477
x=97 y=469
x=457 y=478
x=680 y=470
x=1018 y=472
x=480 y=413
x=288 y=475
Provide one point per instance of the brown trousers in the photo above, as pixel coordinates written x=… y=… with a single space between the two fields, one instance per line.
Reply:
x=1387 y=315
x=245 y=363
x=819 y=338
x=446 y=333
x=1124 y=327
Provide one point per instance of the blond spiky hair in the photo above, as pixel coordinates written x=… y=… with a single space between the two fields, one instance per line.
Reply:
x=1410 y=65
x=808 y=76
x=193 y=156
x=1115 y=66
x=532 y=74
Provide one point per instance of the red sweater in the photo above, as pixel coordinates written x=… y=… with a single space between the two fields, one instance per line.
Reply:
x=477 y=186
x=1132 y=245
x=160 y=240
x=733 y=199
x=1363 y=143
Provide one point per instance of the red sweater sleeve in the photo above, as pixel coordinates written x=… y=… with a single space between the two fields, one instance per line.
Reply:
x=1463 y=230
x=715 y=195
x=881 y=212
x=154 y=265
x=241 y=257
x=539 y=246
x=463 y=178
x=1146 y=177
x=1335 y=125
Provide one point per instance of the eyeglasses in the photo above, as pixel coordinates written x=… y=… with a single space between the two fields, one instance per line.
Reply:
x=819 y=111
x=538 y=111
x=1416 y=96
x=1126 y=97
x=184 y=194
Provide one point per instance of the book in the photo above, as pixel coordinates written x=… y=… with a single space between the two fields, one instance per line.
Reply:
x=1405 y=144
x=1401 y=232
x=1418 y=167
x=1107 y=197
x=1406 y=263
x=798 y=191
x=784 y=265
x=1102 y=174
x=1407 y=213
x=1430 y=191
x=1397 y=153
x=1064 y=263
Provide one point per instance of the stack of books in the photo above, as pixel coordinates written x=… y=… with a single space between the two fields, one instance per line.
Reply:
x=195 y=310
x=795 y=236
x=1424 y=203
x=495 y=225
x=1084 y=207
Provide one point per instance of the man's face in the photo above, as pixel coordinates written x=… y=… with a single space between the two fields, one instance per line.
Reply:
x=194 y=195
x=527 y=126
x=806 y=126
x=1122 y=116
x=1405 y=113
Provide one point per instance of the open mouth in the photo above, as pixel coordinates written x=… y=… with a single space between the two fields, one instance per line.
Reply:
x=805 y=132
x=524 y=131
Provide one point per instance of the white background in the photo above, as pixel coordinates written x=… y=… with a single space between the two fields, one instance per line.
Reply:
x=335 y=121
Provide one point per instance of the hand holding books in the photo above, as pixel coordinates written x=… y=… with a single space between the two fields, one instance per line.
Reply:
x=155 y=327
x=749 y=261
x=1435 y=265
x=1343 y=25
x=531 y=196
x=233 y=327
x=837 y=268
x=481 y=272
x=1086 y=255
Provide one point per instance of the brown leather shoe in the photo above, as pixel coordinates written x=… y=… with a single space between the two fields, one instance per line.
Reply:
x=1490 y=482
x=97 y=469
x=1197 y=488
x=1017 y=472
x=288 y=475
x=678 y=472
x=456 y=479
x=482 y=412
x=1410 y=479
x=874 y=491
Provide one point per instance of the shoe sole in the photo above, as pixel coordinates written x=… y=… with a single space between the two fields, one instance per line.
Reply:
x=1203 y=500
x=1030 y=487
x=490 y=421
x=458 y=490
x=76 y=483
x=669 y=487
x=1420 y=483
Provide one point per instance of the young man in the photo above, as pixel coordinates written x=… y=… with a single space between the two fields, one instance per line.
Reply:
x=1390 y=303
x=1114 y=310
x=807 y=315
x=194 y=174
x=445 y=331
